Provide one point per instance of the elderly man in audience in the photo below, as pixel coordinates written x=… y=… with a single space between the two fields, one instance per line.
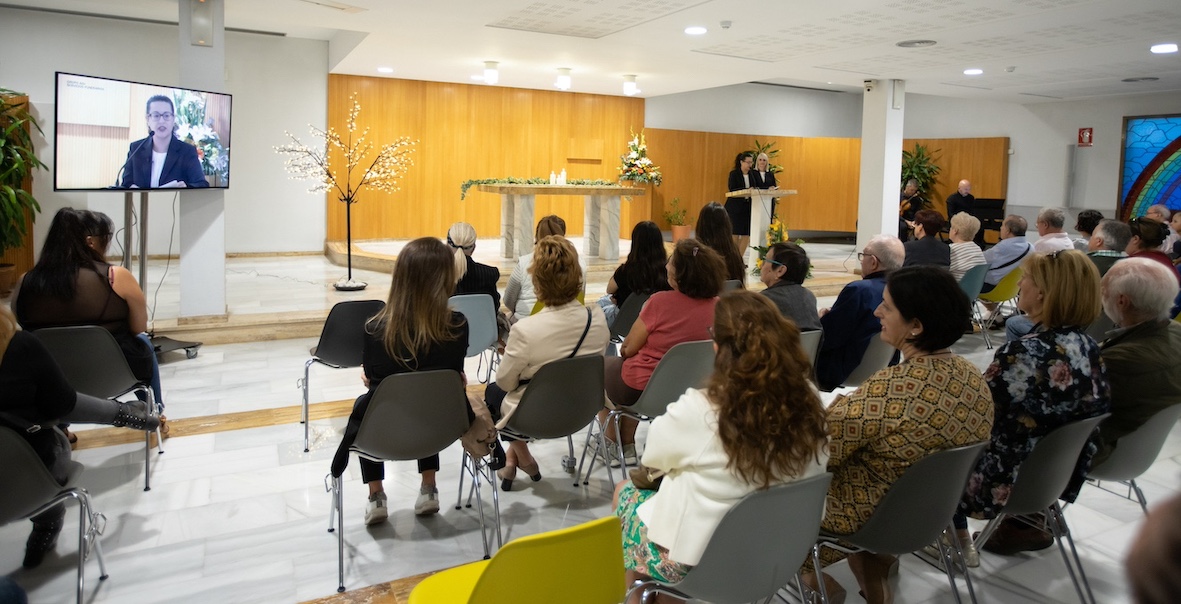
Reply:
x=1142 y=354
x=1107 y=244
x=1052 y=238
x=1161 y=213
x=965 y=254
x=1085 y=226
x=850 y=325
x=926 y=248
x=1007 y=254
x=783 y=272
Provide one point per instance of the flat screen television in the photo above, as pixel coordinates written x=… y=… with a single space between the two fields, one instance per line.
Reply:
x=115 y=134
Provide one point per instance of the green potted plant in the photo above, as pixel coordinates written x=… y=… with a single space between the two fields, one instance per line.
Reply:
x=919 y=165
x=17 y=162
x=677 y=217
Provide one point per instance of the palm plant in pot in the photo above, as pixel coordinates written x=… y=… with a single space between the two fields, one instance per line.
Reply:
x=17 y=162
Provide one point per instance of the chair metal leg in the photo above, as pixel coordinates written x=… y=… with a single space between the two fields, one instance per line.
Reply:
x=1139 y=496
x=1057 y=522
x=582 y=460
x=619 y=445
x=147 y=461
x=463 y=465
x=819 y=576
x=338 y=502
x=96 y=523
x=949 y=561
x=306 y=370
x=330 y=487
x=568 y=463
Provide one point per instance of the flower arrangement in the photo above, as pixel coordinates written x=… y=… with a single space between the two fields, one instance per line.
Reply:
x=636 y=166
x=383 y=172
x=194 y=128
x=776 y=233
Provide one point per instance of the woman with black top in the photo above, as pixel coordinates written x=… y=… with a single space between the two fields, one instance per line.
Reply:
x=416 y=331
x=475 y=278
x=739 y=207
x=642 y=273
x=714 y=229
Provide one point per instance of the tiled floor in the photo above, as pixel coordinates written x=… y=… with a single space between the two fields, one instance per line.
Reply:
x=242 y=516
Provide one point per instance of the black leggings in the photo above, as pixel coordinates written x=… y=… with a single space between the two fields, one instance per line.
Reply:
x=375 y=470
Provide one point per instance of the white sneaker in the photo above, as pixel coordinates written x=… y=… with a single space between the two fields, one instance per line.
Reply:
x=376 y=510
x=629 y=455
x=427 y=502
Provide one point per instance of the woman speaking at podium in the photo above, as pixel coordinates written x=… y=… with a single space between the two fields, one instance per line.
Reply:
x=167 y=162
x=739 y=207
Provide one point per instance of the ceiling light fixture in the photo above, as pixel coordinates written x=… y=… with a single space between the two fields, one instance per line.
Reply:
x=385 y=70
x=973 y=71
x=491 y=73
x=695 y=30
x=1163 y=49
x=915 y=43
x=563 y=82
x=630 y=88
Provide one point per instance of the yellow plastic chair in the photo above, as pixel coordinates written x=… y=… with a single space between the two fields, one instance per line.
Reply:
x=1005 y=291
x=539 y=568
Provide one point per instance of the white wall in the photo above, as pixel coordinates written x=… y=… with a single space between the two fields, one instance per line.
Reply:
x=758 y=109
x=278 y=84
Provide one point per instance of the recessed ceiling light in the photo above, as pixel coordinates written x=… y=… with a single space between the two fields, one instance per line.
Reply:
x=1163 y=49
x=695 y=30
x=915 y=43
x=1144 y=79
x=385 y=70
x=973 y=71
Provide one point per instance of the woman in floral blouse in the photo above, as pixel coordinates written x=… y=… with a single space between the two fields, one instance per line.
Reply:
x=1049 y=378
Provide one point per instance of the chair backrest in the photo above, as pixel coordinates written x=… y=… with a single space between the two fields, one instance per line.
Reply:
x=342 y=341
x=1043 y=475
x=810 y=340
x=760 y=543
x=628 y=313
x=27 y=482
x=919 y=505
x=581 y=564
x=90 y=358
x=1006 y=289
x=481 y=320
x=686 y=365
x=730 y=285
x=1103 y=324
x=973 y=280
x=413 y=415
x=1135 y=451
x=877 y=357
x=561 y=398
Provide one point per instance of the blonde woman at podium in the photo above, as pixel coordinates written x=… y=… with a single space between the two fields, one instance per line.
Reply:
x=763 y=178
x=739 y=207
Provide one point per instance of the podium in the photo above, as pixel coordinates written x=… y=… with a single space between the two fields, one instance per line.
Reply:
x=760 y=216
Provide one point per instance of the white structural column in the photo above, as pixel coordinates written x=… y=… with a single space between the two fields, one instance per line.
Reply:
x=881 y=159
x=202 y=212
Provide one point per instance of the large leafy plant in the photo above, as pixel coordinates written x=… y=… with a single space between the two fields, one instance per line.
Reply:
x=919 y=165
x=17 y=162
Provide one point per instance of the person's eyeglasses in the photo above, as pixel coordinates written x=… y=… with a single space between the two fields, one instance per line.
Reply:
x=159 y=116
x=862 y=255
x=775 y=262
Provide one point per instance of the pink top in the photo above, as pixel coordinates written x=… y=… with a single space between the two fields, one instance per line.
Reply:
x=671 y=318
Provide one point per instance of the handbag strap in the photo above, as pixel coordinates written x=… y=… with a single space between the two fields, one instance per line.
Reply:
x=1028 y=247
x=585 y=330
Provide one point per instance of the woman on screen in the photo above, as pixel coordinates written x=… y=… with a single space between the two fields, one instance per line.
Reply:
x=166 y=163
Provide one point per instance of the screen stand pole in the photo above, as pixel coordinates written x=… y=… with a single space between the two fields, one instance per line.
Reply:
x=143 y=240
x=128 y=205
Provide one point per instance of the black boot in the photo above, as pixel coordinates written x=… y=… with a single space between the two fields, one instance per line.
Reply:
x=43 y=539
x=135 y=415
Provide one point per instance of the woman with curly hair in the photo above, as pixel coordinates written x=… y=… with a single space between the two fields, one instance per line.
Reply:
x=715 y=230
x=758 y=423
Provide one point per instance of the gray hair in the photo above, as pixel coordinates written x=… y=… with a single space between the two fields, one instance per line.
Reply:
x=1052 y=217
x=888 y=250
x=1164 y=211
x=1114 y=234
x=913 y=183
x=1149 y=285
x=1017 y=225
x=967 y=224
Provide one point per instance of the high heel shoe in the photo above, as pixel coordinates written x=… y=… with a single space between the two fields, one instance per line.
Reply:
x=533 y=471
x=506 y=476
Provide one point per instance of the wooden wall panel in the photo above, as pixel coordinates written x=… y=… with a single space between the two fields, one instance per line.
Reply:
x=983 y=161
x=472 y=131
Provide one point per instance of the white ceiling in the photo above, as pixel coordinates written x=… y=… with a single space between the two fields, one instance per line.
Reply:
x=1057 y=49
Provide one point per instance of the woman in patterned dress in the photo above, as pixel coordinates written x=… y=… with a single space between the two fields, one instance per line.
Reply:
x=1050 y=377
x=933 y=400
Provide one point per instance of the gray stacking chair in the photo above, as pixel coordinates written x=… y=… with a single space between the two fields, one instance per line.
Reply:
x=730 y=285
x=1041 y=479
x=29 y=489
x=914 y=512
x=877 y=357
x=628 y=313
x=686 y=365
x=757 y=549
x=93 y=364
x=810 y=340
x=411 y=416
x=482 y=331
x=341 y=344
x=1098 y=330
x=562 y=398
x=971 y=284
x=1136 y=451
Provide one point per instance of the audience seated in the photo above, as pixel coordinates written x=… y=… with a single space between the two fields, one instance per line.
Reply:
x=1141 y=356
x=34 y=397
x=519 y=297
x=416 y=331
x=682 y=315
x=1108 y=241
x=1007 y=254
x=783 y=272
x=1085 y=226
x=716 y=232
x=926 y=248
x=1147 y=236
x=475 y=278
x=1040 y=382
x=1175 y=224
x=72 y=284
x=1052 y=238
x=933 y=400
x=563 y=329
x=965 y=254
x=850 y=324
x=1153 y=566
x=642 y=273
x=1162 y=214
x=757 y=423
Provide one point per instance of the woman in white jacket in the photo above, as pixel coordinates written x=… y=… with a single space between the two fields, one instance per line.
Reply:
x=758 y=423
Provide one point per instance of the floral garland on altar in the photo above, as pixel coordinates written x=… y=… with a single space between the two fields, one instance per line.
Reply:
x=512 y=180
x=636 y=166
